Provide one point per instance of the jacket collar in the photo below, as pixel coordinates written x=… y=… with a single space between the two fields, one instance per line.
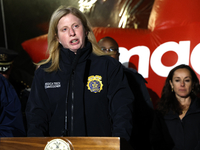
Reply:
x=194 y=108
x=67 y=56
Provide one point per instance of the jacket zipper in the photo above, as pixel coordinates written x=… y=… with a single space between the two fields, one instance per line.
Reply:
x=72 y=104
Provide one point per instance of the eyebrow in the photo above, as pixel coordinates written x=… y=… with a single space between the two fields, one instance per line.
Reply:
x=184 y=78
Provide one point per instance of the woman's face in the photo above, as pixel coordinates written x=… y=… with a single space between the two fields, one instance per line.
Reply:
x=181 y=83
x=71 y=33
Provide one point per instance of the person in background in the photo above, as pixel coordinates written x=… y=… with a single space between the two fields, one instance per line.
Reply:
x=176 y=125
x=77 y=91
x=19 y=79
x=11 y=121
x=143 y=107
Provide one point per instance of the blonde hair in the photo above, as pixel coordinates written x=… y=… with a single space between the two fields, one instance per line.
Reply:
x=53 y=43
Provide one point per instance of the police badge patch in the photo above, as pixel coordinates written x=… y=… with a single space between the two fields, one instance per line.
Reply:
x=94 y=83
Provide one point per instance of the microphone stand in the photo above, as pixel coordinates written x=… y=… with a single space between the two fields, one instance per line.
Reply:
x=4 y=24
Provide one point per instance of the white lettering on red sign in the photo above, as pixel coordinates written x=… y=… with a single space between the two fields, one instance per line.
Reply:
x=182 y=49
x=144 y=54
x=195 y=59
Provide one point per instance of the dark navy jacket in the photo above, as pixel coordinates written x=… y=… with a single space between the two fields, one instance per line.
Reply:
x=101 y=105
x=143 y=110
x=171 y=133
x=11 y=122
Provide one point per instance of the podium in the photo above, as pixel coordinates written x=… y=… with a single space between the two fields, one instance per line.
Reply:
x=60 y=143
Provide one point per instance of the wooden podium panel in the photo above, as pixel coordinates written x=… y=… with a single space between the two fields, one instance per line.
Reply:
x=78 y=143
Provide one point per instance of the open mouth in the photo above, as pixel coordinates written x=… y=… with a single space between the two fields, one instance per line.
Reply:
x=74 y=41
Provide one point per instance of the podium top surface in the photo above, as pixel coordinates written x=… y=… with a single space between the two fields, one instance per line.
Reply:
x=60 y=143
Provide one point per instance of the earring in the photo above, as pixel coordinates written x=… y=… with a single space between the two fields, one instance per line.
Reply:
x=172 y=89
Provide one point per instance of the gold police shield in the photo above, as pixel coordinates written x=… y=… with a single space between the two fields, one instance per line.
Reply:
x=94 y=83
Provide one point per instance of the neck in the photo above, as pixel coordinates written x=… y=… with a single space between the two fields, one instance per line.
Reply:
x=185 y=103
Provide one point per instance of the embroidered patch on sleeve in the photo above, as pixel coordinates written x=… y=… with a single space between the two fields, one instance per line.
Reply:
x=94 y=83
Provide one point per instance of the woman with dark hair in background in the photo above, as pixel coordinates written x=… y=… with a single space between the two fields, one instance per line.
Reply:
x=176 y=124
x=76 y=91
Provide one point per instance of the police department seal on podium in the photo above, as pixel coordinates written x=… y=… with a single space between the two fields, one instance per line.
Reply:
x=58 y=144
